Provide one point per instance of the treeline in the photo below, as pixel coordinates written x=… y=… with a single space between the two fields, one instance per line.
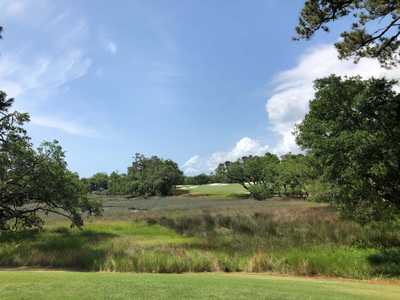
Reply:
x=263 y=176
x=269 y=175
x=147 y=176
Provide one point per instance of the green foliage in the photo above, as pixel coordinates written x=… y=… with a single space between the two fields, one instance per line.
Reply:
x=293 y=174
x=198 y=179
x=353 y=131
x=35 y=181
x=153 y=176
x=97 y=183
x=257 y=174
x=268 y=175
x=375 y=27
x=118 y=184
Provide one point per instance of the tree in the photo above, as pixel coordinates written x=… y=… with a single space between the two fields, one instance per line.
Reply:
x=97 y=183
x=118 y=184
x=353 y=131
x=375 y=30
x=198 y=179
x=153 y=176
x=33 y=182
x=293 y=174
x=221 y=173
x=257 y=174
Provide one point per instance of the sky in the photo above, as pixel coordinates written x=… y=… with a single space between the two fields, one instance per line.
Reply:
x=198 y=82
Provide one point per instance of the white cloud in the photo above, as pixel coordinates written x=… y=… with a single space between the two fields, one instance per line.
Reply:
x=245 y=146
x=288 y=103
x=31 y=12
x=14 y=8
x=66 y=126
x=191 y=166
x=293 y=89
x=20 y=75
x=31 y=73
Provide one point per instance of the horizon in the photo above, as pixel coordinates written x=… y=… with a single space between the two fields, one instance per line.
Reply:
x=198 y=83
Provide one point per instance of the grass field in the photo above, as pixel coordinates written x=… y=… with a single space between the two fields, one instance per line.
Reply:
x=72 y=285
x=194 y=233
x=232 y=190
x=203 y=234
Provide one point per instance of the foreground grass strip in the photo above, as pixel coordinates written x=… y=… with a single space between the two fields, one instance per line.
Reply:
x=79 y=285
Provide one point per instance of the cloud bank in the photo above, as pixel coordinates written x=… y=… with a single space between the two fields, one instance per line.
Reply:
x=288 y=103
x=293 y=89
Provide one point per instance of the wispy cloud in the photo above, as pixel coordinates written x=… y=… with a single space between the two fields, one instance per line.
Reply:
x=31 y=12
x=191 y=165
x=293 y=89
x=20 y=75
x=67 y=126
x=108 y=44
x=14 y=8
x=244 y=147
x=31 y=76
x=111 y=47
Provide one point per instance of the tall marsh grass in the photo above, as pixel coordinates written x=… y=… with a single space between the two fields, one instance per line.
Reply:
x=311 y=241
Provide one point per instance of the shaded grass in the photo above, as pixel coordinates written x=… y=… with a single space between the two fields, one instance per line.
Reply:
x=70 y=285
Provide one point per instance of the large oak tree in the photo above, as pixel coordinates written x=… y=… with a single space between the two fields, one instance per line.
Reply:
x=352 y=131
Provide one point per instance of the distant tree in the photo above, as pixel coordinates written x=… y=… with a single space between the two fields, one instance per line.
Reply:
x=198 y=179
x=221 y=173
x=97 y=183
x=35 y=181
x=153 y=176
x=118 y=184
x=352 y=131
x=257 y=174
x=375 y=29
x=293 y=174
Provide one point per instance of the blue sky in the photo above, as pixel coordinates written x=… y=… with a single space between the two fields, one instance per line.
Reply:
x=195 y=81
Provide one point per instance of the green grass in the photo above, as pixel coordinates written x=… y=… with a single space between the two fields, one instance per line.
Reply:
x=71 y=285
x=206 y=234
x=290 y=241
x=230 y=190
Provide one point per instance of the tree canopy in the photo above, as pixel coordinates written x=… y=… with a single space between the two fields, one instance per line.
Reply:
x=353 y=131
x=375 y=30
x=33 y=182
x=151 y=176
x=268 y=175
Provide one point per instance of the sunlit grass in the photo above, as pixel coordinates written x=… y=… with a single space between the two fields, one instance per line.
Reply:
x=72 y=285
x=219 y=189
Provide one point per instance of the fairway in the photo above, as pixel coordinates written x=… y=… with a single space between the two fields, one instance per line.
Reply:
x=229 y=190
x=71 y=285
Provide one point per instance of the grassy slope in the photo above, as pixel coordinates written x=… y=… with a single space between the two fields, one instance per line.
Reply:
x=72 y=285
x=224 y=190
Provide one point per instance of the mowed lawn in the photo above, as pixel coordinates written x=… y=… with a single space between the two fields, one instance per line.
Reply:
x=80 y=285
x=216 y=189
